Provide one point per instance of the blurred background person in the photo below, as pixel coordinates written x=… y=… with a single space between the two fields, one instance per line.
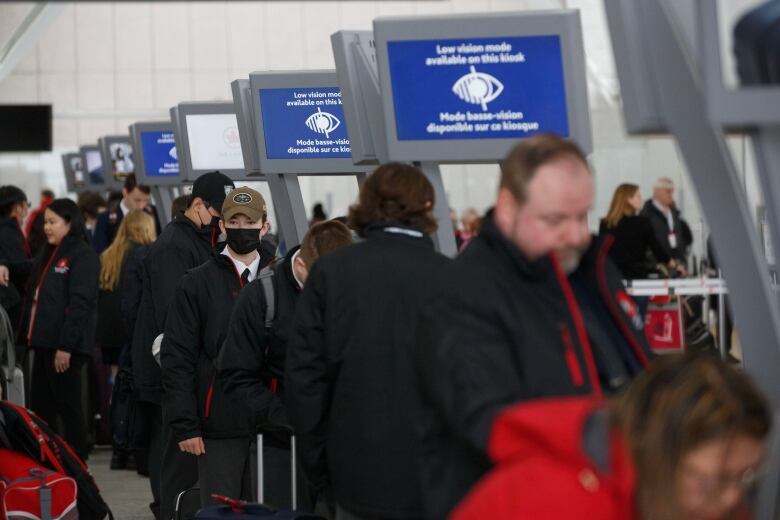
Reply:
x=665 y=219
x=91 y=205
x=134 y=196
x=317 y=214
x=686 y=441
x=137 y=229
x=635 y=249
x=34 y=228
x=14 y=250
x=59 y=324
x=471 y=223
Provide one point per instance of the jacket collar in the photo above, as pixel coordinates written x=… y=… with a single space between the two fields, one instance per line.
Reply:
x=180 y=219
x=495 y=239
x=557 y=428
x=393 y=228
x=287 y=267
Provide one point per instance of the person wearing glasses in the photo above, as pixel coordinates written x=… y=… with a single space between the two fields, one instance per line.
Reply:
x=686 y=441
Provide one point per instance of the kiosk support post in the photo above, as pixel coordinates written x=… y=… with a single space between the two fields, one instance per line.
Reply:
x=711 y=167
x=163 y=195
x=444 y=238
x=290 y=210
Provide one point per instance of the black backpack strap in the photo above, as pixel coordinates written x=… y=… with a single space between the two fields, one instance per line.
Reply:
x=266 y=279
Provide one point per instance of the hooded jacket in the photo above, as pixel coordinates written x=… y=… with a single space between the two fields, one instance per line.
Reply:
x=181 y=246
x=251 y=362
x=350 y=370
x=63 y=315
x=554 y=458
x=500 y=330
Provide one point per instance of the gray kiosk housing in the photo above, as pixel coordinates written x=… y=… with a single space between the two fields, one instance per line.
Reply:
x=112 y=183
x=185 y=133
x=242 y=102
x=565 y=24
x=90 y=153
x=71 y=183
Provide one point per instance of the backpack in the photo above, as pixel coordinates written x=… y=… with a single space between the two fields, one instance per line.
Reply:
x=266 y=277
x=30 y=492
x=24 y=432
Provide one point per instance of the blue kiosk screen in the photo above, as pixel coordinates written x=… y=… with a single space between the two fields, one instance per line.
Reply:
x=304 y=123
x=478 y=88
x=160 y=158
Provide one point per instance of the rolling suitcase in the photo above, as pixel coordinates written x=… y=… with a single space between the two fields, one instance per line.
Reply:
x=242 y=510
x=11 y=376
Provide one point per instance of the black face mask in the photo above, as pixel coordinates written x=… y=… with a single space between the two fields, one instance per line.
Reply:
x=243 y=241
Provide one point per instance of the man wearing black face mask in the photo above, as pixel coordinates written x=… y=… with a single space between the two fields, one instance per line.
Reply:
x=204 y=422
x=184 y=244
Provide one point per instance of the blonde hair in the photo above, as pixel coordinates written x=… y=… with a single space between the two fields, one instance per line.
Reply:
x=137 y=227
x=620 y=206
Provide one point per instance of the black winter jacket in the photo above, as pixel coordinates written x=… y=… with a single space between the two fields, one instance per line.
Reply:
x=661 y=229
x=634 y=238
x=15 y=255
x=132 y=287
x=194 y=400
x=63 y=316
x=180 y=247
x=111 y=332
x=251 y=362
x=350 y=371
x=500 y=330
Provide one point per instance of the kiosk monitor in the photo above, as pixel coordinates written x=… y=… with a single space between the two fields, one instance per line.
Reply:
x=242 y=101
x=92 y=165
x=209 y=139
x=300 y=123
x=465 y=88
x=117 y=156
x=157 y=162
x=74 y=174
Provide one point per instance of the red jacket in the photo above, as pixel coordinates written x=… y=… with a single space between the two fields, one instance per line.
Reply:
x=542 y=471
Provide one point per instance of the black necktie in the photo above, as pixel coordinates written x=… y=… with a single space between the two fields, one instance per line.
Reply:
x=245 y=277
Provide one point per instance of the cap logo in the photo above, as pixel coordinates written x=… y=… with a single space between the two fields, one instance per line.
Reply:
x=242 y=198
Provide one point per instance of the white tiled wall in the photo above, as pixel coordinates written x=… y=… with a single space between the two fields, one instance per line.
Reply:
x=100 y=63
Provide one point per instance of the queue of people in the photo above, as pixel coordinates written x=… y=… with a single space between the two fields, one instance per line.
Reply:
x=417 y=386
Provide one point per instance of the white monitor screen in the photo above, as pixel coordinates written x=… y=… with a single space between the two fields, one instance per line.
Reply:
x=214 y=142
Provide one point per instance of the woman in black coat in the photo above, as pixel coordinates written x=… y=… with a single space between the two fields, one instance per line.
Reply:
x=59 y=324
x=635 y=249
x=14 y=250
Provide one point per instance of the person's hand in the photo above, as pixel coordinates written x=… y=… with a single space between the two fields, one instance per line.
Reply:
x=194 y=446
x=61 y=361
x=4 y=275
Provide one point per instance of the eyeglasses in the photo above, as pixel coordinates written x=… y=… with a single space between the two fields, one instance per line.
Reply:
x=716 y=485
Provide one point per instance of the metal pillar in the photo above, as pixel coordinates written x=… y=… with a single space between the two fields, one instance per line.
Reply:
x=444 y=238
x=711 y=167
x=290 y=210
x=163 y=196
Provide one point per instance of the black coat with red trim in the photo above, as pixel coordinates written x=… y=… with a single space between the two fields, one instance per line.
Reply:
x=194 y=400
x=251 y=362
x=502 y=330
x=14 y=254
x=66 y=278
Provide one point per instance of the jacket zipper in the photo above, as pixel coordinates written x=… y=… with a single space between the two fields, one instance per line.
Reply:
x=579 y=327
x=571 y=357
x=601 y=275
x=37 y=293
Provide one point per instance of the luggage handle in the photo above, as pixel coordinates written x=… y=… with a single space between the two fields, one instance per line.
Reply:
x=276 y=428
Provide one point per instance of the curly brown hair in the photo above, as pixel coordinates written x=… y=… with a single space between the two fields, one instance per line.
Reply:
x=394 y=192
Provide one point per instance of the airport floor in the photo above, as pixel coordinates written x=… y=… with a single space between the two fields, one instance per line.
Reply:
x=126 y=493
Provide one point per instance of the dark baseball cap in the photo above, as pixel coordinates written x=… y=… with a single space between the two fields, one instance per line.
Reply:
x=212 y=187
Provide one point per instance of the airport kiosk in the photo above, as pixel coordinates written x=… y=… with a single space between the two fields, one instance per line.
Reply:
x=300 y=130
x=670 y=70
x=157 y=163
x=92 y=166
x=465 y=88
x=75 y=181
x=117 y=158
